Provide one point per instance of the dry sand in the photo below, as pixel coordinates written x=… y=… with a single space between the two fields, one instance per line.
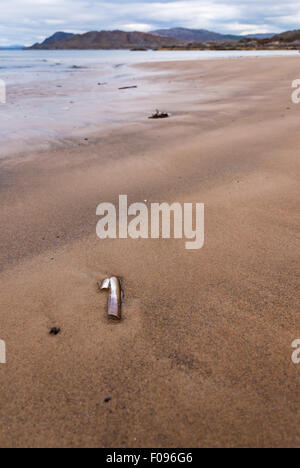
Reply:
x=203 y=355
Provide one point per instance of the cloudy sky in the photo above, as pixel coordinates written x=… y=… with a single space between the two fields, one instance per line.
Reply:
x=29 y=21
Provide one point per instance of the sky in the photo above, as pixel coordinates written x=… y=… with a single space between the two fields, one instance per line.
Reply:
x=25 y=22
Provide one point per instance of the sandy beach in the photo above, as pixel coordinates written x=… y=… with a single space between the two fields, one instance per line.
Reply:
x=202 y=357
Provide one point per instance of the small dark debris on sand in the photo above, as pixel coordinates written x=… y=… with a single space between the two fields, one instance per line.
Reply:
x=107 y=400
x=128 y=87
x=54 y=331
x=159 y=115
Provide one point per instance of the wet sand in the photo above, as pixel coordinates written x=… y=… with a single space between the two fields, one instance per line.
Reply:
x=202 y=357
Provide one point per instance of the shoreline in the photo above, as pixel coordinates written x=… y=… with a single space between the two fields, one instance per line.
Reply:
x=203 y=355
x=51 y=109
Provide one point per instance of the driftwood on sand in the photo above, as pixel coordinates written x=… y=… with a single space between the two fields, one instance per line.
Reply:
x=128 y=87
x=159 y=115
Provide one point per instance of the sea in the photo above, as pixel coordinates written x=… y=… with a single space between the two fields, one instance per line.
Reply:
x=22 y=64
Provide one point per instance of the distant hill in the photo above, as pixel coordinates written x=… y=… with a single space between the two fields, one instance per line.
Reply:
x=59 y=36
x=12 y=47
x=260 y=36
x=288 y=36
x=106 y=40
x=195 y=35
x=172 y=39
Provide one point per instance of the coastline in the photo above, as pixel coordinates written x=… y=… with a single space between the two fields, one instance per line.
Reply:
x=202 y=357
x=68 y=95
